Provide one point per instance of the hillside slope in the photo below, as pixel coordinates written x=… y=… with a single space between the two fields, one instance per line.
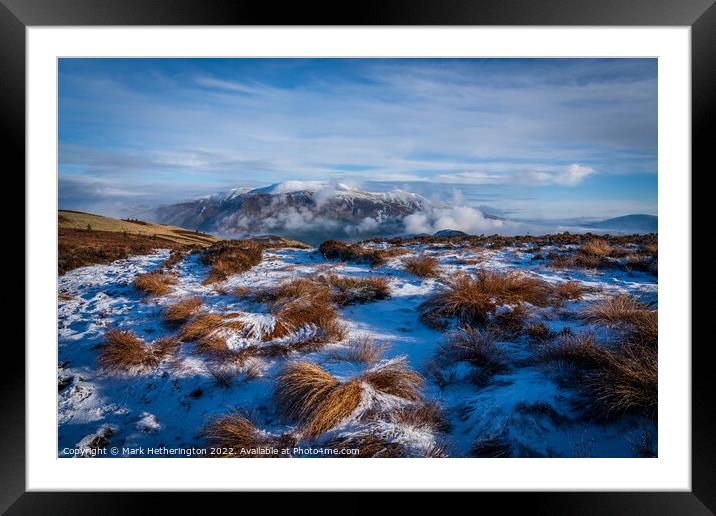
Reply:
x=68 y=219
x=86 y=239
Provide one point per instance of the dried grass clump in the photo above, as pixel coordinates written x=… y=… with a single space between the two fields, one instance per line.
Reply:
x=181 y=311
x=155 y=283
x=596 y=247
x=618 y=310
x=123 y=350
x=613 y=379
x=314 y=397
x=424 y=416
x=395 y=378
x=474 y=346
x=472 y=299
x=235 y=436
x=539 y=332
x=368 y=445
x=331 y=249
x=203 y=326
x=346 y=290
x=310 y=310
x=628 y=382
x=422 y=266
x=569 y=290
x=512 y=322
x=292 y=289
x=362 y=349
x=636 y=262
x=319 y=402
x=230 y=257
x=580 y=350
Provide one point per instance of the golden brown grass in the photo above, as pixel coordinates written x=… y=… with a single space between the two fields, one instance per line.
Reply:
x=331 y=249
x=616 y=311
x=201 y=326
x=422 y=266
x=182 y=310
x=569 y=290
x=234 y=435
x=346 y=290
x=314 y=397
x=512 y=322
x=203 y=329
x=319 y=402
x=230 y=257
x=123 y=350
x=362 y=349
x=341 y=290
x=394 y=378
x=472 y=299
x=596 y=247
x=315 y=310
x=155 y=283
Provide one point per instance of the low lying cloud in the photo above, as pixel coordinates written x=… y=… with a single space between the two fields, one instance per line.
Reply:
x=462 y=218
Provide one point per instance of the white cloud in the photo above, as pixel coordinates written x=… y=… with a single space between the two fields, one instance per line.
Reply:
x=462 y=218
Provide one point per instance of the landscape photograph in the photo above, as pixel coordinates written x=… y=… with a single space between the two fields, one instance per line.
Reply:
x=357 y=258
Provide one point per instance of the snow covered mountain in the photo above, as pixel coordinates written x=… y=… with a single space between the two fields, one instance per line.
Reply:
x=309 y=210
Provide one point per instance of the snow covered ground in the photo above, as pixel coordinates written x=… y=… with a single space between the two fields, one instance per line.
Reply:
x=170 y=405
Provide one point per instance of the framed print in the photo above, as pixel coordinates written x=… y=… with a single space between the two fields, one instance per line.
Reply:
x=453 y=244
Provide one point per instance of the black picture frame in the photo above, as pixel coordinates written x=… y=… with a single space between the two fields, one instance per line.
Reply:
x=700 y=15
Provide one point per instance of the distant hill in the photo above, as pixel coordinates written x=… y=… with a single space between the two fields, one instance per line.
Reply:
x=69 y=219
x=446 y=233
x=638 y=223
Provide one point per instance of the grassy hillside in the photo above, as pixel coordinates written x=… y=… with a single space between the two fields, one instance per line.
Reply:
x=67 y=219
x=86 y=239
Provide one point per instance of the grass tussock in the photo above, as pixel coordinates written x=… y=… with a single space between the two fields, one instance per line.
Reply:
x=422 y=266
x=426 y=416
x=315 y=398
x=474 y=346
x=313 y=310
x=347 y=290
x=236 y=436
x=473 y=299
x=333 y=249
x=618 y=310
x=123 y=351
x=182 y=310
x=569 y=290
x=341 y=290
x=319 y=402
x=362 y=350
x=596 y=247
x=205 y=331
x=395 y=378
x=230 y=257
x=512 y=322
x=155 y=283
x=614 y=379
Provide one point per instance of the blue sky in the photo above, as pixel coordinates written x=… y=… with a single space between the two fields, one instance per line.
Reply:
x=527 y=138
